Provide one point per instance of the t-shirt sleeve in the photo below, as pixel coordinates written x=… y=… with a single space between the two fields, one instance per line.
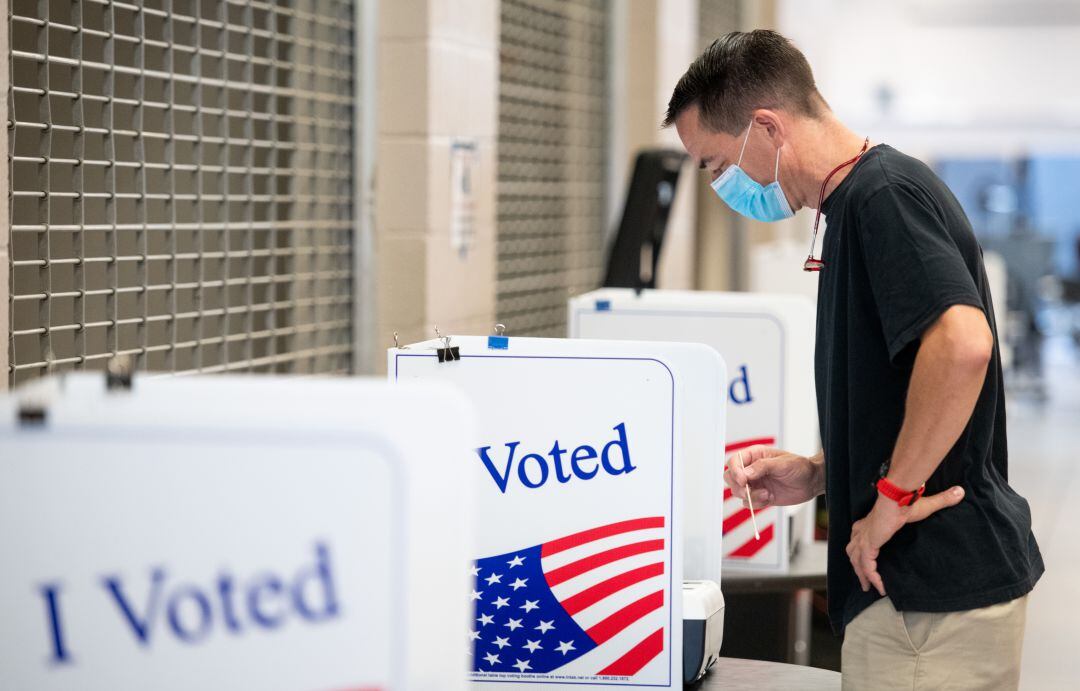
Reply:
x=916 y=270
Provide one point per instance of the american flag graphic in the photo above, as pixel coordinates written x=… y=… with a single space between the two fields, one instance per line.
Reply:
x=589 y=604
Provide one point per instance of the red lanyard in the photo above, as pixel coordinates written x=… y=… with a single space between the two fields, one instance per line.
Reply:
x=812 y=264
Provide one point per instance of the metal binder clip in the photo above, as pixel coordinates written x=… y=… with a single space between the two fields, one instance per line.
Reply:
x=447 y=353
x=398 y=345
x=118 y=373
x=499 y=341
x=31 y=413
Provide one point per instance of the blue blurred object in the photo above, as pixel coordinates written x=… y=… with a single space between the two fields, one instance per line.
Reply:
x=985 y=188
x=1053 y=182
x=1025 y=209
x=1019 y=196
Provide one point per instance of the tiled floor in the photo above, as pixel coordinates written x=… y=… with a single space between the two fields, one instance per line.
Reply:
x=1044 y=467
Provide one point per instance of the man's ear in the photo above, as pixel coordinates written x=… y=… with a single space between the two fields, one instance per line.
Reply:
x=772 y=124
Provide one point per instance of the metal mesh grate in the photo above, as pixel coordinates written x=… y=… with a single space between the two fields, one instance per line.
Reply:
x=552 y=95
x=181 y=184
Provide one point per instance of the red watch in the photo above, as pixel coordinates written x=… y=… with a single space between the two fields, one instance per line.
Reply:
x=900 y=496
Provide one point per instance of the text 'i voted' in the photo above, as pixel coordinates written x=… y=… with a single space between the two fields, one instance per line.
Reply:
x=192 y=611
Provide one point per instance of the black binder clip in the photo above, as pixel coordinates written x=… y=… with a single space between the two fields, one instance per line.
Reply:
x=32 y=414
x=118 y=373
x=448 y=353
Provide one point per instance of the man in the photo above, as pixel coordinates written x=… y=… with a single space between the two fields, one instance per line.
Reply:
x=929 y=589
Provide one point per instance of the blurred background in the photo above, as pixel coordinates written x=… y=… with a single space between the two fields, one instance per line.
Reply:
x=282 y=186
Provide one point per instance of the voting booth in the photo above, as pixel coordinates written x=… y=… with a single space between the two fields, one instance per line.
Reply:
x=582 y=518
x=767 y=342
x=233 y=532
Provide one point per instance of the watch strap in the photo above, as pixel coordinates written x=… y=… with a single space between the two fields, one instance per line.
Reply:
x=899 y=495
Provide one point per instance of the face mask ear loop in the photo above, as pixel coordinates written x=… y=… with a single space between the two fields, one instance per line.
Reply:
x=745 y=139
x=776 y=171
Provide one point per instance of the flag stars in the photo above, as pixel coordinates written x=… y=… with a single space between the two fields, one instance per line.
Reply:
x=517 y=640
x=565 y=647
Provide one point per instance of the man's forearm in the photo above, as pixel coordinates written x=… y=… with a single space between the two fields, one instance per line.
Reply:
x=948 y=375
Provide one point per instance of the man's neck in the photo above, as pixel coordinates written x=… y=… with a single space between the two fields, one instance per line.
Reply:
x=828 y=143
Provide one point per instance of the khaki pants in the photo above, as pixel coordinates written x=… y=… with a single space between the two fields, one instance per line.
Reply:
x=976 y=649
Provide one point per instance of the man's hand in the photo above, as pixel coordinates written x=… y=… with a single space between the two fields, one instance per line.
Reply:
x=869 y=534
x=776 y=478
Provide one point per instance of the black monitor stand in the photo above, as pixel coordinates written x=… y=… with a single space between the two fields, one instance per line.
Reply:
x=635 y=252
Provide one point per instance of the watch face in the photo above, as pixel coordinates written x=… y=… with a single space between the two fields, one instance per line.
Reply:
x=883 y=470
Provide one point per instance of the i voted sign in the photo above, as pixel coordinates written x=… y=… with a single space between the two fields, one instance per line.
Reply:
x=576 y=472
x=232 y=533
x=767 y=342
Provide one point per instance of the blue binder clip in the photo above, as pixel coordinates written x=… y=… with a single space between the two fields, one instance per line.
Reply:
x=498 y=341
x=603 y=305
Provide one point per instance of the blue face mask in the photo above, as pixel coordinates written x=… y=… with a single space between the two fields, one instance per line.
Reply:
x=750 y=198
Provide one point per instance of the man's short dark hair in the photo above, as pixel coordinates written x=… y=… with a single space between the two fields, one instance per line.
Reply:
x=741 y=72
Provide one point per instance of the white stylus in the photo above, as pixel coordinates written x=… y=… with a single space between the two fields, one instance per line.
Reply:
x=757 y=535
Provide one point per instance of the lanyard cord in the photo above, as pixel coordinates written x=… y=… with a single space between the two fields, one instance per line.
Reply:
x=812 y=264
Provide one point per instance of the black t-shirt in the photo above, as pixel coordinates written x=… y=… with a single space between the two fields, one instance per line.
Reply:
x=898 y=252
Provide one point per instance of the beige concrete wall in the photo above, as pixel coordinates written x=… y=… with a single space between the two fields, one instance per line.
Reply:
x=5 y=226
x=725 y=241
x=707 y=247
x=437 y=83
x=657 y=43
x=716 y=241
x=677 y=30
x=761 y=14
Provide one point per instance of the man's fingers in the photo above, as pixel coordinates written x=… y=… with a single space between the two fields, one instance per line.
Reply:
x=928 y=505
x=874 y=577
x=856 y=563
x=731 y=479
x=864 y=563
x=753 y=454
x=761 y=497
x=862 y=579
x=759 y=470
x=739 y=466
